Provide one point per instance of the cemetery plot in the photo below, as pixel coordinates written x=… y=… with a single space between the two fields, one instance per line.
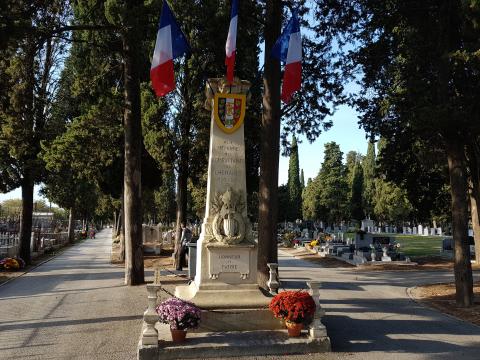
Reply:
x=420 y=245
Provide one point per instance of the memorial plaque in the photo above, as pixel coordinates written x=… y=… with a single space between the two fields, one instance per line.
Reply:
x=229 y=260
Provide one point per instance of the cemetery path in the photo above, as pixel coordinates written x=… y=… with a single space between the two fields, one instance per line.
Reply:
x=72 y=307
x=372 y=312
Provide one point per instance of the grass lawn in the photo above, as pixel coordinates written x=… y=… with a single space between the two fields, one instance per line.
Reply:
x=414 y=245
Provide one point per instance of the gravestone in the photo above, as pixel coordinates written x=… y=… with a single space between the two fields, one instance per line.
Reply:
x=420 y=230
x=425 y=231
x=385 y=257
x=414 y=230
x=226 y=273
x=367 y=224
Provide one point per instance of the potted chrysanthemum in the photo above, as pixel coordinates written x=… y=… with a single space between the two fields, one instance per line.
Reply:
x=296 y=308
x=9 y=264
x=180 y=315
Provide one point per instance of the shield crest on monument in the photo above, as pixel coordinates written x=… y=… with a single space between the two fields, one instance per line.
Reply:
x=229 y=111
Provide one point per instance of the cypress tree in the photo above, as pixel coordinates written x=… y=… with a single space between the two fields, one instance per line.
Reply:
x=302 y=180
x=369 y=180
x=356 y=190
x=294 y=185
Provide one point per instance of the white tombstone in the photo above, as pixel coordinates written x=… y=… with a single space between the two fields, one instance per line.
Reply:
x=385 y=257
x=439 y=231
x=367 y=224
x=425 y=231
x=432 y=231
x=305 y=233
x=420 y=229
x=414 y=232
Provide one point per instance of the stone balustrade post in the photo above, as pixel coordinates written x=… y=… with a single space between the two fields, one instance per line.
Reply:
x=317 y=329
x=273 y=282
x=150 y=317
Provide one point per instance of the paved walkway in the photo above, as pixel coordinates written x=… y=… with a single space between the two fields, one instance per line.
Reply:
x=72 y=307
x=76 y=307
x=370 y=316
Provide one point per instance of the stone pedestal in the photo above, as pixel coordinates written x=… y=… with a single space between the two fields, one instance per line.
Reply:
x=226 y=273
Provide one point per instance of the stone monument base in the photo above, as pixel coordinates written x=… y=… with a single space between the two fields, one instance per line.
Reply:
x=238 y=320
x=224 y=296
x=231 y=344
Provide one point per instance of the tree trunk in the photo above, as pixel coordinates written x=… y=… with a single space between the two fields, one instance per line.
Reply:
x=134 y=271
x=121 y=232
x=459 y=192
x=473 y=164
x=25 y=235
x=71 y=226
x=270 y=148
x=114 y=228
x=476 y=225
x=182 y=180
x=181 y=202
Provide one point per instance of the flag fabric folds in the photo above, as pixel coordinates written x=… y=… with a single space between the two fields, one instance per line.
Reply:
x=231 y=45
x=171 y=44
x=288 y=49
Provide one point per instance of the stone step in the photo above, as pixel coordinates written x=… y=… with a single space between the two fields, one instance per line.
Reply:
x=234 y=343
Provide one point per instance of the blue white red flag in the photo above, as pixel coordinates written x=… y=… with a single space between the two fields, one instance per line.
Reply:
x=231 y=45
x=288 y=49
x=171 y=44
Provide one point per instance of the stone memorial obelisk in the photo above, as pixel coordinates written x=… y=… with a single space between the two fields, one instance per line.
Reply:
x=226 y=273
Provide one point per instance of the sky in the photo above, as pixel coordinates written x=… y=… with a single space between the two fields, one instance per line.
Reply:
x=17 y=194
x=344 y=132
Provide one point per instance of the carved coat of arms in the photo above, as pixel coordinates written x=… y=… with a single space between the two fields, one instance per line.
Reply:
x=229 y=226
x=229 y=111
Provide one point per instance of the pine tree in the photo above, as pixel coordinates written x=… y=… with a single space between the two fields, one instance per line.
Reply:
x=311 y=200
x=332 y=181
x=294 y=185
x=27 y=65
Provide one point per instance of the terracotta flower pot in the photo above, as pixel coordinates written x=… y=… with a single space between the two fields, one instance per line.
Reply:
x=294 y=329
x=178 y=336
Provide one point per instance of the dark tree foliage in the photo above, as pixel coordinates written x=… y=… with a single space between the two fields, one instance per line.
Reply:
x=356 y=191
x=294 y=208
x=420 y=78
x=368 y=169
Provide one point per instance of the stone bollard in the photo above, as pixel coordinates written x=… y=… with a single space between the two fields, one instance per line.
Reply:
x=150 y=317
x=317 y=330
x=273 y=283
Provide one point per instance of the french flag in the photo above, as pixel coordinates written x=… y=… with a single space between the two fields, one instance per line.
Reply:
x=231 y=45
x=288 y=49
x=170 y=44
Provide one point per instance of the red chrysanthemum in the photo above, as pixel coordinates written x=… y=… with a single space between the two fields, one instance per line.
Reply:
x=293 y=306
